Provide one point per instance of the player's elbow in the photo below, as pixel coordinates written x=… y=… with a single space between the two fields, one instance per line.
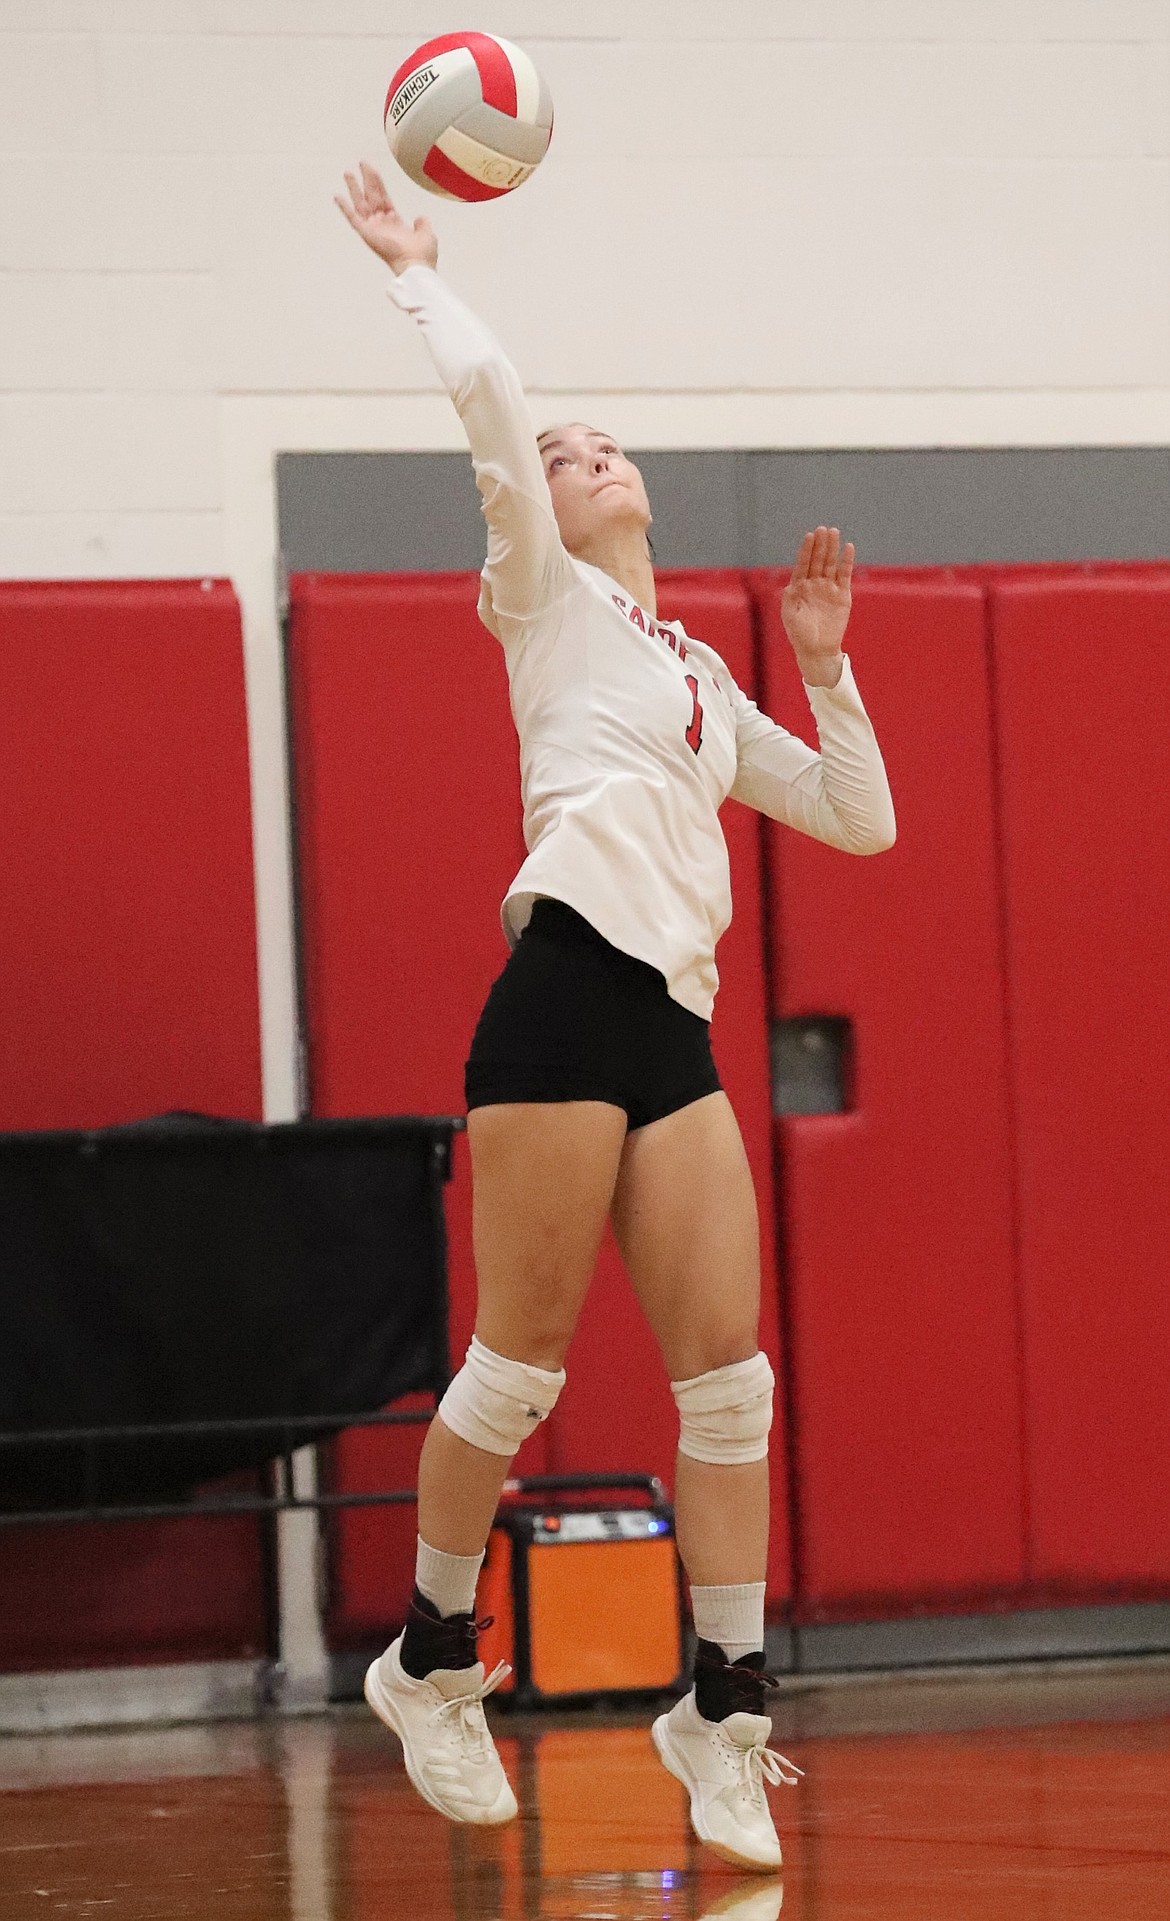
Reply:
x=879 y=837
x=872 y=836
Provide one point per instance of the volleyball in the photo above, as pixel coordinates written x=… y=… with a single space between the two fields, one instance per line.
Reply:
x=468 y=116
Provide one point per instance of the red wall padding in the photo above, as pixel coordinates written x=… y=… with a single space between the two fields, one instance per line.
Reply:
x=910 y=1345
x=408 y=837
x=616 y=1409
x=132 y=1593
x=127 y=920
x=128 y=960
x=408 y=833
x=897 y=1214
x=971 y=1419
x=1082 y=672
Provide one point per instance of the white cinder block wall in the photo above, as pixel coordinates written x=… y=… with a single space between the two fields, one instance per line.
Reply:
x=881 y=222
x=761 y=222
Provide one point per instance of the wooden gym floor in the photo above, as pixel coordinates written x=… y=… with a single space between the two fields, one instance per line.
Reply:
x=1017 y=1795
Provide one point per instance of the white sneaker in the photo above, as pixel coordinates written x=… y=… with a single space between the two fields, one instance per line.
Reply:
x=724 y=1765
x=448 y=1749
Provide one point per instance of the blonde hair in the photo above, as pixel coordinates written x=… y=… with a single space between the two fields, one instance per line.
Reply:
x=556 y=427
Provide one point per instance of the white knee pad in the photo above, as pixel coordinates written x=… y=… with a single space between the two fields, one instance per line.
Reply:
x=725 y=1415
x=494 y=1403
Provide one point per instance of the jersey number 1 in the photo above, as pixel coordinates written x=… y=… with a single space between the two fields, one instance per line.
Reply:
x=695 y=730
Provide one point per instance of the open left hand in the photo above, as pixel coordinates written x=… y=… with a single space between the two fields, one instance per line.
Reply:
x=816 y=602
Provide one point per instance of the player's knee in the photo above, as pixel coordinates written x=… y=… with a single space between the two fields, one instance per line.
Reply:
x=725 y=1415
x=539 y=1331
x=494 y=1403
x=714 y=1344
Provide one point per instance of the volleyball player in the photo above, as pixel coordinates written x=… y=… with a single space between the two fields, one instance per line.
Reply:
x=590 y=1085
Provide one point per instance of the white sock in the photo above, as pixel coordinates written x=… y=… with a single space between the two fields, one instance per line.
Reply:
x=732 y=1617
x=447 y=1580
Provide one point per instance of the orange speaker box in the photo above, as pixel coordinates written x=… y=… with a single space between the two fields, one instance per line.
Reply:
x=585 y=1593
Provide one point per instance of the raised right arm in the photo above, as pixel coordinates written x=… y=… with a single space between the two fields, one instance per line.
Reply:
x=527 y=567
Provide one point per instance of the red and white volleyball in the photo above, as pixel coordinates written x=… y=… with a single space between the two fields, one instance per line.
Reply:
x=468 y=116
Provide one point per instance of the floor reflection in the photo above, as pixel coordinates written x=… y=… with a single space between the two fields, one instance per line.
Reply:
x=313 y=1820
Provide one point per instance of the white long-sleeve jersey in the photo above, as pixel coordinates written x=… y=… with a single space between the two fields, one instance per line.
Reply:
x=632 y=734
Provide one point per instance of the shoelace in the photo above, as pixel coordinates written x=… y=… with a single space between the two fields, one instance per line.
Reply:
x=472 y=1727
x=770 y=1766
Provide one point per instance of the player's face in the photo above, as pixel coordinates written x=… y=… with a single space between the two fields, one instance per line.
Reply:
x=593 y=485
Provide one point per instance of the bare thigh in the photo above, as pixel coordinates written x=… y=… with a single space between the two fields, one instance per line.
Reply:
x=685 y=1218
x=543 y=1177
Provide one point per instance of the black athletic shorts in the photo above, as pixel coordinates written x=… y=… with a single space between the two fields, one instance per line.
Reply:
x=572 y=1018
